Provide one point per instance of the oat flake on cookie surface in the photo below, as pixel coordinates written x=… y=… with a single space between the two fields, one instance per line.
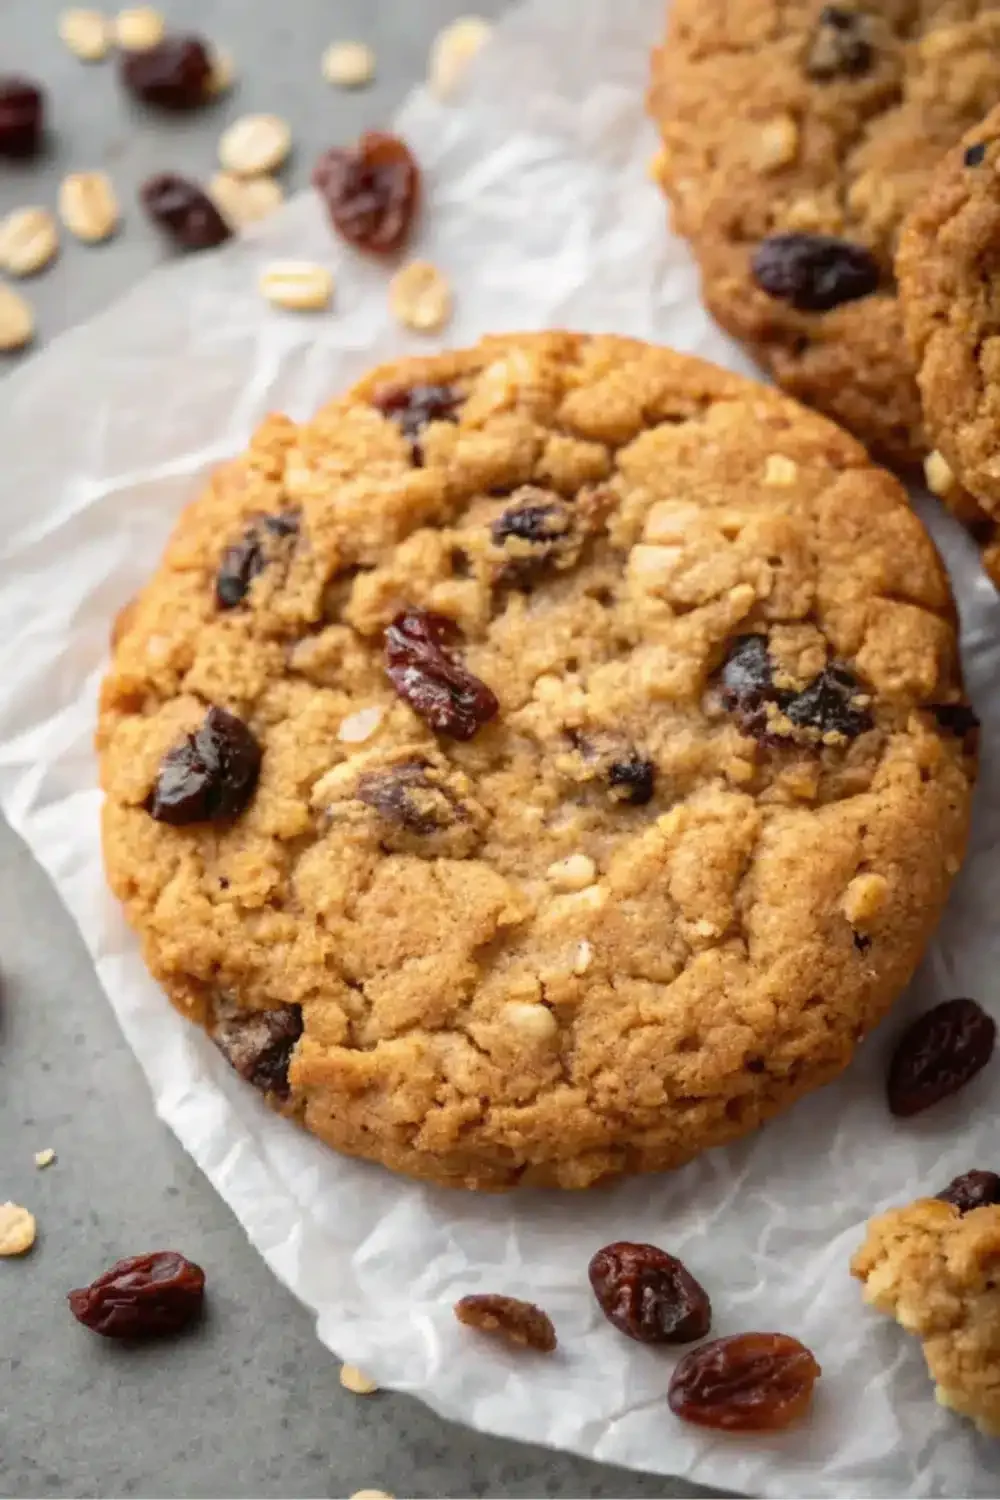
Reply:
x=639 y=701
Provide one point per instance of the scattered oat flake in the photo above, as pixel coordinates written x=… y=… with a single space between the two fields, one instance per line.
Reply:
x=355 y=1380
x=453 y=50
x=17 y=321
x=360 y=725
x=255 y=144
x=245 y=200
x=86 y=33
x=223 y=73
x=348 y=65
x=28 y=241
x=17 y=1229
x=139 y=28
x=420 y=297
x=300 y=285
x=88 y=206
x=45 y=1158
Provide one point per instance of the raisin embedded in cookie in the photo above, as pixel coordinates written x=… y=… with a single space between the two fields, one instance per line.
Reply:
x=795 y=138
x=935 y=1269
x=949 y=283
x=546 y=763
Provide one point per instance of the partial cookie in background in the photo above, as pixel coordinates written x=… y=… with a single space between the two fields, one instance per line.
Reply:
x=796 y=136
x=949 y=282
x=587 y=768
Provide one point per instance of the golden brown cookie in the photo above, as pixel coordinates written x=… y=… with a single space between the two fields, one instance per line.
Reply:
x=546 y=763
x=949 y=281
x=796 y=135
x=937 y=1272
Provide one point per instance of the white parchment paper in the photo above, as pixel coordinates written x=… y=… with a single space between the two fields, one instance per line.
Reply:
x=541 y=213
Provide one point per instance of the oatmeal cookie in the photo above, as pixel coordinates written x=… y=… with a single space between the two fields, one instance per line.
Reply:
x=796 y=135
x=547 y=762
x=949 y=284
x=936 y=1271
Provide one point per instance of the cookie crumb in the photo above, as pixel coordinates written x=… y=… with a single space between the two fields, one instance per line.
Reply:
x=938 y=475
x=45 y=1158
x=453 y=50
x=420 y=297
x=780 y=471
x=301 y=285
x=17 y=321
x=17 y=1229
x=139 y=28
x=573 y=873
x=356 y=1381
x=348 y=65
x=86 y=33
x=88 y=206
x=29 y=240
x=255 y=145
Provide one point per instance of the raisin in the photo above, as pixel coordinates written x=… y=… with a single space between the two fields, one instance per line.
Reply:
x=649 y=1295
x=532 y=523
x=975 y=155
x=827 y=704
x=406 y=795
x=183 y=211
x=210 y=775
x=242 y=561
x=814 y=272
x=972 y=1190
x=259 y=1043
x=959 y=719
x=143 y=1297
x=540 y=527
x=413 y=407
x=939 y=1054
x=750 y=1382
x=370 y=190
x=508 y=1318
x=22 y=116
x=748 y=681
x=422 y=666
x=839 y=46
x=174 y=74
x=631 y=780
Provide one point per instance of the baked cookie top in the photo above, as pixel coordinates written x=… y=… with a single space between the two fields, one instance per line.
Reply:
x=935 y=1270
x=545 y=763
x=795 y=138
x=949 y=284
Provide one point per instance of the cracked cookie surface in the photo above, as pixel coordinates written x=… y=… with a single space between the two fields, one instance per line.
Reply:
x=819 y=125
x=614 y=763
x=937 y=1272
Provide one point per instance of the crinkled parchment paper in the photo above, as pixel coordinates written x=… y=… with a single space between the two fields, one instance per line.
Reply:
x=540 y=211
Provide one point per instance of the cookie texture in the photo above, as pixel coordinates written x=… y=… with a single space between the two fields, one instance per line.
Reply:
x=949 y=282
x=614 y=763
x=935 y=1270
x=796 y=135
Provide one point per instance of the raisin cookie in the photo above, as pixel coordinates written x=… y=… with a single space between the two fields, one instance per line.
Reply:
x=949 y=285
x=936 y=1271
x=546 y=763
x=796 y=135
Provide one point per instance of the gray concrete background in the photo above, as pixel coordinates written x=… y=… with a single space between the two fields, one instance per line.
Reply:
x=251 y=1404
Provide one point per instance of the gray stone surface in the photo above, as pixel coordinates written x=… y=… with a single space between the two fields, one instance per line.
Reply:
x=250 y=1405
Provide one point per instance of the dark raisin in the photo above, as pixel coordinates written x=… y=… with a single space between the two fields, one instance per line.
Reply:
x=747 y=680
x=972 y=1190
x=143 y=1297
x=242 y=561
x=839 y=46
x=975 y=155
x=939 y=1054
x=22 y=116
x=827 y=704
x=423 y=667
x=958 y=719
x=814 y=272
x=631 y=780
x=509 y=1318
x=861 y=941
x=183 y=211
x=532 y=523
x=405 y=794
x=649 y=1295
x=210 y=775
x=370 y=190
x=751 y=1382
x=259 y=1043
x=174 y=74
x=411 y=407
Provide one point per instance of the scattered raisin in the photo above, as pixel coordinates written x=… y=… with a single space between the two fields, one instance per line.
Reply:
x=827 y=704
x=649 y=1295
x=939 y=1054
x=183 y=211
x=959 y=719
x=972 y=1190
x=839 y=46
x=143 y=1297
x=242 y=561
x=747 y=679
x=406 y=795
x=22 y=116
x=210 y=775
x=533 y=532
x=814 y=272
x=532 y=523
x=174 y=74
x=631 y=780
x=751 y=1382
x=370 y=190
x=975 y=155
x=423 y=667
x=508 y=1318
x=413 y=407
x=259 y=1043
